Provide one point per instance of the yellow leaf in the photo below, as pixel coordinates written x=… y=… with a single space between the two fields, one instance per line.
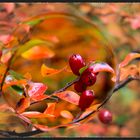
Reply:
x=38 y=52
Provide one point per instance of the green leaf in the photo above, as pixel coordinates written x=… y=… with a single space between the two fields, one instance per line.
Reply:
x=18 y=89
x=30 y=44
x=16 y=75
x=34 y=22
x=83 y=69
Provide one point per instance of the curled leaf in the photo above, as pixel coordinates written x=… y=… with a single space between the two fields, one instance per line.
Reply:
x=50 y=109
x=22 y=105
x=36 y=114
x=129 y=58
x=42 y=127
x=46 y=128
x=66 y=114
x=36 y=91
x=69 y=96
x=102 y=67
x=46 y=71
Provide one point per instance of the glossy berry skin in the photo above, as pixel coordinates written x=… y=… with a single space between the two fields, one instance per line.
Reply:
x=86 y=99
x=76 y=62
x=79 y=86
x=105 y=116
x=91 y=70
x=88 y=78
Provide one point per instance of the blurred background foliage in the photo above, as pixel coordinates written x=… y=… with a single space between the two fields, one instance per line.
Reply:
x=119 y=24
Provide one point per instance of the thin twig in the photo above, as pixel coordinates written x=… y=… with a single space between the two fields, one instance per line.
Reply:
x=116 y=88
x=15 y=134
x=66 y=86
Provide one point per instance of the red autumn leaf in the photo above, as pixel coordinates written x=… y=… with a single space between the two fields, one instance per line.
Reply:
x=129 y=58
x=36 y=91
x=38 y=52
x=9 y=7
x=22 y=105
x=69 y=96
x=66 y=114
x=46 y=71
x=39 y=98
x=36 y=114
x=5 y=39
x=50 y=109
x=102 y=67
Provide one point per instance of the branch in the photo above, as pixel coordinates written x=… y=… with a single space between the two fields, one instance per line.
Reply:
x=116 y=88
x=15 y=134
x=66 y=86
x=126 y=81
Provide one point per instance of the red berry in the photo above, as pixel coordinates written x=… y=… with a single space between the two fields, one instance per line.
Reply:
x=105 y=116
x=91 y=69
x=86 y=99
x=76 y=62
x=88 y=78
x=79 y=86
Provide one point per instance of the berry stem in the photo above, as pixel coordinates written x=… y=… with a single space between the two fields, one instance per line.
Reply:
x=66 y=86
x=116 y=88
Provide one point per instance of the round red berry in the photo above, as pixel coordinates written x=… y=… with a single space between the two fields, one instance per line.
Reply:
x=79 y=86
x=105 y=116
x=86 y=99
x=88 y=78
x=91 y=69
x=76 y=62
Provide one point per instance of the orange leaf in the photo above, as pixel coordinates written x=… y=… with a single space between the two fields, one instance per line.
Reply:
x=28 y=76
x=38 y=52
x=46 y=128
x=69 y=96
x=45 y=71
x=5 y=57
x=36 y=91
x=22 y=105
x=39 y=98
x=50 y=109
x=66 y=114
x=10 y=83
x=129 y=58
x=36 y=114
x=42 y=127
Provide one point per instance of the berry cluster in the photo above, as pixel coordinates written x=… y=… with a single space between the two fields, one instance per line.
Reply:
x=87 y=78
